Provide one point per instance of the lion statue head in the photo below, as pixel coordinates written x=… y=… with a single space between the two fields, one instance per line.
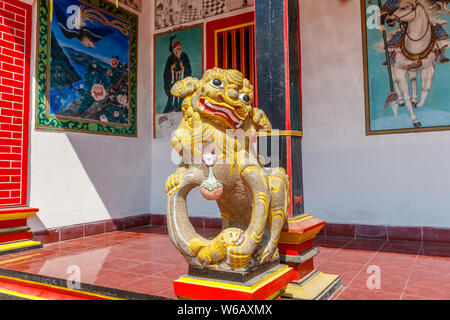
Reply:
x=222 y=100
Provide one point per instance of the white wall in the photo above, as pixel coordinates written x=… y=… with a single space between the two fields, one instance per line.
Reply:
x=78 y=178
x=395 y=179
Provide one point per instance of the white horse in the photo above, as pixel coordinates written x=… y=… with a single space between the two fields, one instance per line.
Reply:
x=419 y=50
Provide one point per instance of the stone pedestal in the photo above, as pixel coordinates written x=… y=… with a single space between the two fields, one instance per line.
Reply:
x=268 y=285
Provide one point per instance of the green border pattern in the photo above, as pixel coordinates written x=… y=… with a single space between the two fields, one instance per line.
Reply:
x=43 y=120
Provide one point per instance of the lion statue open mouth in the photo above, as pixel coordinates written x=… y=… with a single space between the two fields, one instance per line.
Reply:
x=214 y=140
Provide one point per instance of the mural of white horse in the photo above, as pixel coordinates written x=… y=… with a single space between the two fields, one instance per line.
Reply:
x=417 y=44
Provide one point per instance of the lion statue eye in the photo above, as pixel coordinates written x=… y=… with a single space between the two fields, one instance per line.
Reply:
x=217 y=83
x=244 y=98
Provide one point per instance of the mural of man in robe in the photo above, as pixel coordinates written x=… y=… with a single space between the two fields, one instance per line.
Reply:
x=177 y=68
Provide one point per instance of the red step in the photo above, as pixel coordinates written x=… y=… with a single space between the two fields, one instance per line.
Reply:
x=33 y=290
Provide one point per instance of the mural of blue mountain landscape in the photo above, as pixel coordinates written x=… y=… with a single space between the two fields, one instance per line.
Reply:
x=89 y=76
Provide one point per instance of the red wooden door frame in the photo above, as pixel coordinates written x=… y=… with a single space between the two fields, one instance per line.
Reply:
x=212 y=26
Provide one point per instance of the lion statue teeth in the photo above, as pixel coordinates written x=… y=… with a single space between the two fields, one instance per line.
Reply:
x=214 y=140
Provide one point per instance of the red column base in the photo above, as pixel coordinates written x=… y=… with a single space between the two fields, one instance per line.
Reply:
x=267 y=286
x=296 y=247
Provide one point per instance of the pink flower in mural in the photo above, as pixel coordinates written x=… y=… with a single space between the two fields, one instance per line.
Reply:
x=98 y=92
x=122 y=99
x=114 y=62
x=109 y=73
x=103 y=118
x=116 y=114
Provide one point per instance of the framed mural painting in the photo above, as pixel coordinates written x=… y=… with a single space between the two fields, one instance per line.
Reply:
x=406 y=66
x=177 y=54
x=86 y=68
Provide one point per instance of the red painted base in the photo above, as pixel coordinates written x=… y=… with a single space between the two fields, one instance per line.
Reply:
x=297 y=249
x=304 y=269
x=14 y=233
x=268 y=286
x=293 y=250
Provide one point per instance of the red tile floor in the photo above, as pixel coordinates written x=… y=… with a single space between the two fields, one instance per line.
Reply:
x=144 y=260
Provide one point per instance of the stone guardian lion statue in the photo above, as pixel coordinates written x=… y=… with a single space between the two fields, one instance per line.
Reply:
x=214 y=140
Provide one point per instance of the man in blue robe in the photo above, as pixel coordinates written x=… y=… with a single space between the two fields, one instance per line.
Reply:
x=177 y=68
